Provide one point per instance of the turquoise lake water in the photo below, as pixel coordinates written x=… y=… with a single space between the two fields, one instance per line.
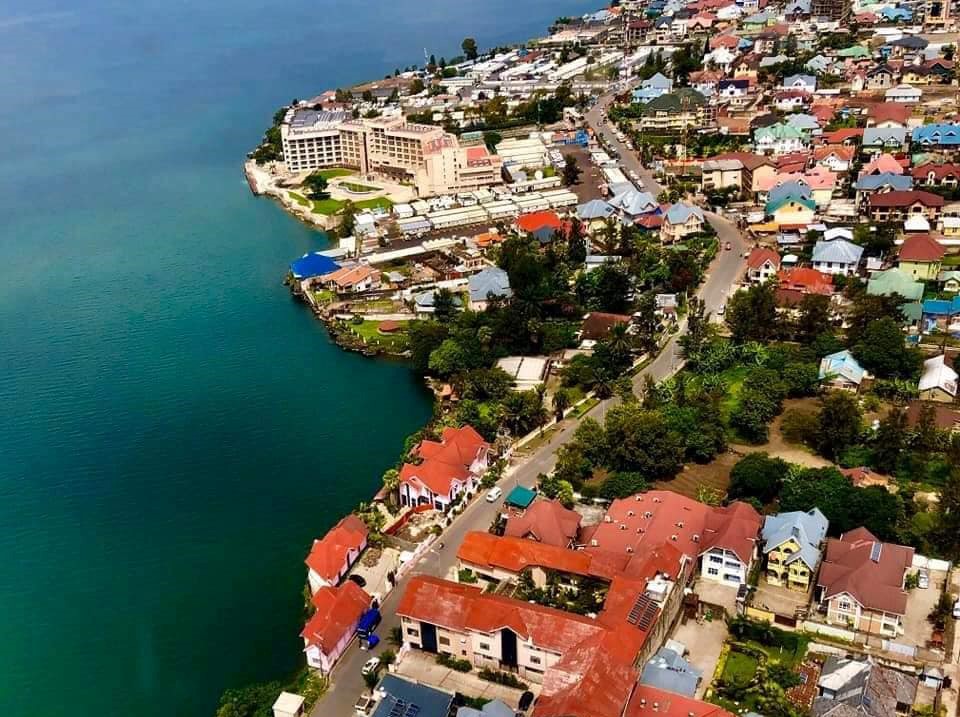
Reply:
x=174 y=429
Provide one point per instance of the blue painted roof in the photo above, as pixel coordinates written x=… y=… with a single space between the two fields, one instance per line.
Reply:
x=315 y=264
x=808 y=529
x=680 y=212
x=667 y=670
x=942 y=133
x=872 y=182
x=492 y=280
x=841 y=364
x=431 y=702
x=942 y=307
x=521 y=497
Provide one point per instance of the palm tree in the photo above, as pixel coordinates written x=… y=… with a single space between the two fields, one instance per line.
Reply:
x=620 y=340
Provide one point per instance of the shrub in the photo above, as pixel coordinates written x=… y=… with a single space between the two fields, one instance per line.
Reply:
x=465 y=575
x=454 y=663
x=783 y=676
x=502 y=678
x=757 y=476
x=799 y=426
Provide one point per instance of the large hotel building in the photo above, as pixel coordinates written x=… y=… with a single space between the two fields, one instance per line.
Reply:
x=426 y=156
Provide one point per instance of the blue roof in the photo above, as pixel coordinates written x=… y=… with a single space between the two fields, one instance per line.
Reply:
x=871 y=182
x=808 y=529
x=680 y=212
x=492 y=280
x=406 y=699
x=942 y=307
x=668 y=670
x=521 y=497
x=837 y=250
x=315 y=264
x=595 y=209
x=841 y=364
x=942 y=133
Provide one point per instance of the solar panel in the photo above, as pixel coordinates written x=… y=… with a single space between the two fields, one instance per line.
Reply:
x=398 y=709
x=875 y=552
x=412 y=711
x=643 y=612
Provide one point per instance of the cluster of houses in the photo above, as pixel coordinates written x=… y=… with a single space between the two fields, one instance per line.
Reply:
x=648 y=551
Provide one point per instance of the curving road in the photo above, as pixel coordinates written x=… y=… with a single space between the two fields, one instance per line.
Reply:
x=348 y=683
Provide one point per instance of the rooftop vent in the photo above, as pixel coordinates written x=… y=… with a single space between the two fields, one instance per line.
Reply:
x=623 y=526
x=657 y=499
x=630 y=514
x=679 y=523
x=594 y=543
x=607 y=519
x=648 y=514
x=673 y=537
x=629 y=549
x=696 y=538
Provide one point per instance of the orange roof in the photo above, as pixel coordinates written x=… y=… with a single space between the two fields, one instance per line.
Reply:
x=488 y=238
x=446 y=461
x=840 y=151
x=477 y=153
x=538 y=220
x=807 y=281
x=921 y=248
x=348 y=276
x=760 y=256
x=338 y=609
x=649 y=701
x=518 y=554
x=328 y=555
x=546 y=521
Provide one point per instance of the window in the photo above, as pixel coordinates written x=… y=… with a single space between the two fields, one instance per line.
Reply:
x=716 y=559
x=443 y=640
x=413 y=632
x=844 y=605
x=712 y=571
x=534 y=660
x=485 y=646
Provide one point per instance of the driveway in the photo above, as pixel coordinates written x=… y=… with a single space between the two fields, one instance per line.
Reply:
x=920 y=602
x=704 y=641
x=423 y=668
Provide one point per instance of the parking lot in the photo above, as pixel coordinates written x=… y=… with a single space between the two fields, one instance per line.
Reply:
x=704 y=640
x=920 y=602
x=780 y=600
x=423 y=667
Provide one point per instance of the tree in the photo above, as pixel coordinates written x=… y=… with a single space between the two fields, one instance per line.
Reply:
x=348 y=219
x=576 y=244
x=814 y=317
x=890 y=440
x=444 y=305
x=641 y=441
x=752 y=314
x=840 y=424
x=646 y=322
x=623 y=485
x=561 y=402
x=698 y=329
x=571 y=171
x=447 y=358
x=316 y=186
x=759 y=476
x=866 y=308
x=422 y=338
x=469 y=47
x=883 y=351
x=417 y=86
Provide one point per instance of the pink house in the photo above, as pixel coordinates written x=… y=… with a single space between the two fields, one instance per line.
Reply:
x=331 y=628
x=331 y=557
x=449 y=468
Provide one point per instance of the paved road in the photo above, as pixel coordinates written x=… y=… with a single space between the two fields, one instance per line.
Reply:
x=348 y=683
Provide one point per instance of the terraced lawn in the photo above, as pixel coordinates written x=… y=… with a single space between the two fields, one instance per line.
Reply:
x=739 y=667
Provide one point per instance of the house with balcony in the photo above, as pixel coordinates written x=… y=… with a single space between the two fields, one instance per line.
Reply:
x=448 y=468
x=328 y=632
x=334 y=554
x=836 y=256
x=762 y=264
x=861 y=585
x=681 y=221
x=791 y=545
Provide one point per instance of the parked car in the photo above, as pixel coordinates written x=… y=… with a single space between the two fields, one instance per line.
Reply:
x=494 y=494
x=371 y=666
x=358 y=579
x=365 y=704
x=526 y=699
x=923 y=578
x=721 y=309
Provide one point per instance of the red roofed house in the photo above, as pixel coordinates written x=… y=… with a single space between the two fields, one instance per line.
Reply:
x=806 y=281
x=449 y=468
x=331 y=628
x=921 y=256
x=538 y=220
x=861 y=583
x=546 y=521
x=762 y=264
x=331 y=557
x=898 y=205
x=937 y=175
x=649 y=701
x=355 y=278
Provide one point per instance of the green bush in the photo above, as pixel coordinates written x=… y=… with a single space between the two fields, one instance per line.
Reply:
x=502 y=678
x=466 y=575
x=799 y=426
x=454 y=663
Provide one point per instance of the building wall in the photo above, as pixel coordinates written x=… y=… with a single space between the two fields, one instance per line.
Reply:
x=723 y=566
x=921 y=270
x=795 y=576
x=316 y=581
x=324 y=661
x=845 y=611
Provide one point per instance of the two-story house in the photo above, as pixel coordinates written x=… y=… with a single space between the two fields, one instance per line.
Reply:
x=861 y=584
x=448 y=468
x=680 y=221
x=921 y=256
x=762 y=264
x=332 y=556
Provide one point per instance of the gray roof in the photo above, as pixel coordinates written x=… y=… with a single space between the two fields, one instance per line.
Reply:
x=837 y=251
x=771 y=60
x=431 y=702
x=492 y=280
x=805 y=79
x=667 y=670
x=884 y=135
x=681 y=212
x=658 y=81
x=809 y=529
x=803 y=121
x=595 y=209
x=634 y=202
x=425 y=299
x=862 y=689
x=793 y=188
x=872 y=182
x=818 y=63
x=493 y=708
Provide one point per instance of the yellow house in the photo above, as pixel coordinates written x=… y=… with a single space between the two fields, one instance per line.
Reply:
x=792 y=211
x=921 y=257
x=792 y=547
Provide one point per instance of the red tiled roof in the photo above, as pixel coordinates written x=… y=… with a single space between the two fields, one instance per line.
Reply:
x=338 y=609
x=877 y=584
x=597 y=324
x=538 y=220
x=546 y=521
x=921 y=248
x=517 y=554
x=840 y=136
x=889 y=111
x=328 y=555
x=906 y=198
x=808 y=281
x=653 y=702
x=446 y=461
x=760 y=256
x=939 y=171
x=883 y=163
x=862 y=477
x=748 y=159
x=649 y=221
x=842 y=152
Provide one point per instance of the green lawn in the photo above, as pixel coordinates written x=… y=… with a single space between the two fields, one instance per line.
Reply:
x=382 y=202
x=324 y=296
x=331 y=173
x=734 y=378
x=299 y=199
x=951 y=260
x=739 y=667
x=584 y=407
x=368 y=331
x=327 y=206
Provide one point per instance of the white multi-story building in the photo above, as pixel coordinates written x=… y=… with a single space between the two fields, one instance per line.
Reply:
x=391 y=147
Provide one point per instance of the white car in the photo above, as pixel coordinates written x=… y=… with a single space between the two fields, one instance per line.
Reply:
x=370 y=666
x=721 y=310
x=923 y=579
x=494 y=494
x=956 y=609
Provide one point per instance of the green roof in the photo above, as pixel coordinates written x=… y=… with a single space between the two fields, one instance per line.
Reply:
x=672 y=101
x=521 y=497
x=894 y=281
x=854 y=51
x=912 y=312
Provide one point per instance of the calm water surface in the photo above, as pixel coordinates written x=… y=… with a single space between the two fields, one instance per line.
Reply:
x=174 y=430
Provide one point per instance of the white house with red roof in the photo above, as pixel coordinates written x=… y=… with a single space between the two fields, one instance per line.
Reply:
x=448 y=468
x=762 y=264
x=332 y=556
x=328 y=632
